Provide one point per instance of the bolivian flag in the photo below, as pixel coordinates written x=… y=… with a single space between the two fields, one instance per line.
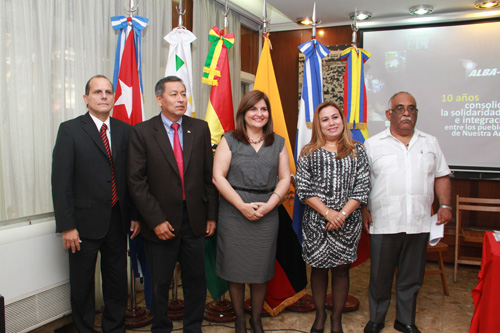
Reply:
x=220 y=119
x=220 y=115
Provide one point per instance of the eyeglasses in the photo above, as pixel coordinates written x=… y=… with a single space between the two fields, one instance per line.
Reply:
x=400 y=109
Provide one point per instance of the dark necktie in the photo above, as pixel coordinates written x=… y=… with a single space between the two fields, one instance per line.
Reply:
x=104 y=137
x=178 y=156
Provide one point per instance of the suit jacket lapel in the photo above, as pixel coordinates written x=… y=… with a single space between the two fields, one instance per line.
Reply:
x=116 y=137
x=90 y=128
x=163 y=141
x=188 y=139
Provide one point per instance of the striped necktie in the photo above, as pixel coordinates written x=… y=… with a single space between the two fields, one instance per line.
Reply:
x=104 y=137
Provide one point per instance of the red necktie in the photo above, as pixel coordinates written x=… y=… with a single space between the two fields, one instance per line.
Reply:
x=178 y=156
x=104 y=137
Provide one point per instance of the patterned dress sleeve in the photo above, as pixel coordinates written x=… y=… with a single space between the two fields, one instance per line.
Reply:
x=362 y=184
x=304 y=188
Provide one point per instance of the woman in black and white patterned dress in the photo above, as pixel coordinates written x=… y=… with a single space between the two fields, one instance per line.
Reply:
x=333 y=181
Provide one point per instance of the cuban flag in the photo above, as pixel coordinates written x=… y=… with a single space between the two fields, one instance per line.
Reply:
x=127 y=78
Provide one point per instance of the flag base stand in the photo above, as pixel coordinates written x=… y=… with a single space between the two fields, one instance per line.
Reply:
x=175 y=305
x=137 y=317
x=175 y=309
x=351 y=304
x=220 y=311
x=248 y=308
x=304 y=304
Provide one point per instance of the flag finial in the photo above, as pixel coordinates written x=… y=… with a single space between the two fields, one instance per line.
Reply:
x=180 y=12
x=354 y=27
x=314 y=21
x=225 y=12
x=265 y=19
x=131 y=9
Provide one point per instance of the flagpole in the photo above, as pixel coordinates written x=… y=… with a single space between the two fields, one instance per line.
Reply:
x=221 y=310
x=306 y=302
x=135 y=316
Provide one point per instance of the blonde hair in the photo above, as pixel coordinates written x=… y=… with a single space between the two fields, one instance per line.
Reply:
x=345 y=145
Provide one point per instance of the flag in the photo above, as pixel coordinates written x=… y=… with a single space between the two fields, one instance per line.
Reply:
x=312 y=95
x=220 y=115
x=220 y=119
x=312 y=91
x=127 y=80
x=290 y=280
x=355 y=107
x=179 y=62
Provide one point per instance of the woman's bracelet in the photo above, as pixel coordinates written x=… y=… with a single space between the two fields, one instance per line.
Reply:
x=326 y=213
x=279 y=196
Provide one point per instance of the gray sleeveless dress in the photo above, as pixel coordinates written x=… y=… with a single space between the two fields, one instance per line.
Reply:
x=246 y=250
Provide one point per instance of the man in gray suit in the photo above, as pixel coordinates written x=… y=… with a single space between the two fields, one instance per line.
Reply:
x=406 y=167
x=91 y=206
x=170 y=180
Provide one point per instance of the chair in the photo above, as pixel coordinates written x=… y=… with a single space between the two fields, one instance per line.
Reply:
x=440 y=248
x=469 y=234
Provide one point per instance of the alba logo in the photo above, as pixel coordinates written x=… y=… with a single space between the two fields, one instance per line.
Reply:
x=484 y=72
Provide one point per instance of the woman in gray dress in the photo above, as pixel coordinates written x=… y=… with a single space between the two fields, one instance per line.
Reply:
x=252 y=173
x=333 y=181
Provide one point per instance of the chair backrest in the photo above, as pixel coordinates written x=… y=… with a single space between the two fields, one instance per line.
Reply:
x=478 y=204
x=475 y=205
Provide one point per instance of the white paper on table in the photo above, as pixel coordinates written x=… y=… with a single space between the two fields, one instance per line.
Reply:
x=496 y=234
x=437 y=231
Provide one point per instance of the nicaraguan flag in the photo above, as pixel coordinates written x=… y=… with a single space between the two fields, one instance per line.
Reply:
x=179 y=62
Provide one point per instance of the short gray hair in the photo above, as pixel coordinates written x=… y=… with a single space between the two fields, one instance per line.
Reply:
x=398 y=93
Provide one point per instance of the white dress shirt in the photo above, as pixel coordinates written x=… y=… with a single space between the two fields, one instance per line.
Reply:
x=403 y=181
x=98 y=122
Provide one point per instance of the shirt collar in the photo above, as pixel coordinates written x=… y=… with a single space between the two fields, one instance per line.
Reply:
x=387 y=133
x=168 y=123
x=98 y=122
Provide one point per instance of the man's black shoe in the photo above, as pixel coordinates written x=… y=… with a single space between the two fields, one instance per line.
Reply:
x=399 y=326
x=372 y=327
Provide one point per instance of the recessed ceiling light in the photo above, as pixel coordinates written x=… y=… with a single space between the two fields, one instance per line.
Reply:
x=421 y=10
x=304 y=21
x=487 y=4
x=362 y=15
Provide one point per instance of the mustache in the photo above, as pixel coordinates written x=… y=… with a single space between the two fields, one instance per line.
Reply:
x=406 y=118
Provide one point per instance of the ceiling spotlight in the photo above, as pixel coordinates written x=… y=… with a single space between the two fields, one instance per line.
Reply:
x=362 y=15
x=487 y=4
x=421 y=10
x=304 y=21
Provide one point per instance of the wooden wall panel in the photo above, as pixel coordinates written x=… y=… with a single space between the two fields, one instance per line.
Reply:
x=249 y=50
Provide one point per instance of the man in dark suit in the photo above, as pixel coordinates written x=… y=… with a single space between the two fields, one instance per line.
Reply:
x=177 y=205
x=91 y=205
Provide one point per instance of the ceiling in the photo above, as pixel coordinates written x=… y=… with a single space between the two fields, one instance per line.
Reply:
x=283 y=13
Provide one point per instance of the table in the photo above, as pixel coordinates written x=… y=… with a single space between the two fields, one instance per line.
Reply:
x=486 y=294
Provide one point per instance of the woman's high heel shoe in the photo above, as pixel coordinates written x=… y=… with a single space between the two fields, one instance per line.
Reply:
x=319 y=330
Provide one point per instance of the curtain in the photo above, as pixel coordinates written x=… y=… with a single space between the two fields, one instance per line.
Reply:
x=206 y=14
x=50 y=48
